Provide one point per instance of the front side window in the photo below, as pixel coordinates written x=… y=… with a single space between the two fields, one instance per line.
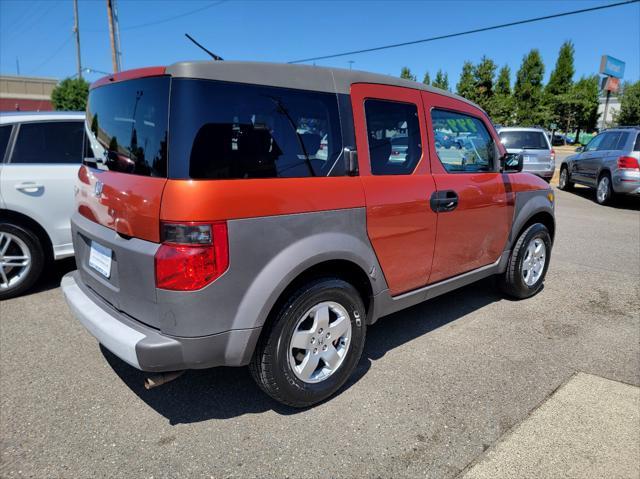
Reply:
x=470 y=148
x=524 y=140
x=225 y=130
x=594 y=143
x=393 y=133
x=53 y=142
x=5 y=133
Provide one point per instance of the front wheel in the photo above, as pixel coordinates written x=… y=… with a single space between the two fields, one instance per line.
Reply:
x=564 y=182
x=528 y=263
x=312 y=345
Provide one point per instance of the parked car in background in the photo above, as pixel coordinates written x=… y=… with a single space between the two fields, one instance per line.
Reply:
x=40 y=154
x=533 y=144
x=609 y=163
x=560 y=140
x=235 y=245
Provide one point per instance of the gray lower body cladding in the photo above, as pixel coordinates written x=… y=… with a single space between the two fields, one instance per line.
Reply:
x=160 y=330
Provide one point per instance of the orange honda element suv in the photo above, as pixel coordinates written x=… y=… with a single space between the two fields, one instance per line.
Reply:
x=239 y=213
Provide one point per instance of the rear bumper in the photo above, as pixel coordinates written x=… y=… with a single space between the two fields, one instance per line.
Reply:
x=627 y=182
x=146 y=348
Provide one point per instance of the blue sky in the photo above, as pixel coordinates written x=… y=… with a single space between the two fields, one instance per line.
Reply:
x=39 y=33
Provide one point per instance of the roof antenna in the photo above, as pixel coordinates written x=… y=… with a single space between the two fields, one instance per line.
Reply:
x=213 y=55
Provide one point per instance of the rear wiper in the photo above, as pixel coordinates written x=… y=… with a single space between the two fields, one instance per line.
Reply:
x=283 y=111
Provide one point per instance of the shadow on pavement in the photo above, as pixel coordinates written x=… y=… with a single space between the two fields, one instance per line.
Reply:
x=622 y=202
x=221 y=393
x=52 y=275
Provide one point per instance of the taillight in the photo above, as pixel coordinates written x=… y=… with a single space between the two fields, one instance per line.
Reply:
x=553 y=155
x=191 y=256
x=628 y=163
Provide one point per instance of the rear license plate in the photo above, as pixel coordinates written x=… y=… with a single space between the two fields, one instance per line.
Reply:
x=100 y=259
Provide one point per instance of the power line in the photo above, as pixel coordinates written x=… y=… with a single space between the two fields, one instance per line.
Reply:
x=58 y=50
x=164 y=20
x=468 y=32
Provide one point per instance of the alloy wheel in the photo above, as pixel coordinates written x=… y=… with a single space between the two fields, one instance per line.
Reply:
x=534 y=261
x=603 y=189
x=15 y=261
x=320 y=342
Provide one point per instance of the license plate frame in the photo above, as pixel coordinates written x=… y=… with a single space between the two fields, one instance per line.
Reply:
x=100 y=259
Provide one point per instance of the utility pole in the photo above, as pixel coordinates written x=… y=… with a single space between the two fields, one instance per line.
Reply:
x=76 y=29
x=114 y=52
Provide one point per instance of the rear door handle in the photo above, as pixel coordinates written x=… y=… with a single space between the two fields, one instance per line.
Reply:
x=444 y=201
x=29 y=187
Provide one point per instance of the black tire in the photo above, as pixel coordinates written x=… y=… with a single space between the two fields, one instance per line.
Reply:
x=36 y=252
x=270 y=366
x=565 y=185
x=512 y=281
x=608 y=194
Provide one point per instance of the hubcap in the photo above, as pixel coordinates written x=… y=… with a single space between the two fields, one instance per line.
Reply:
x=15 y=260
x=533 y=262
x=603 y=189
x=320 y=342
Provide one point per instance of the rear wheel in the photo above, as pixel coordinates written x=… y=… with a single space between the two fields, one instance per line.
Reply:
x=21 y=260
x=528 y=263
x=564 y=182
x=312 y=345
x=604 y=191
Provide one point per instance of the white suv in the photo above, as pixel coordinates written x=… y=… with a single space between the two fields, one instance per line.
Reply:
x=40 y=154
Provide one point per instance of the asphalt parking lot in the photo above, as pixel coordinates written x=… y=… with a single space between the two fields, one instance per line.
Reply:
x=438 y=384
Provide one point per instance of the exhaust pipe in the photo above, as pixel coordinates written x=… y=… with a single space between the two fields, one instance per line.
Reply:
x=160 y=379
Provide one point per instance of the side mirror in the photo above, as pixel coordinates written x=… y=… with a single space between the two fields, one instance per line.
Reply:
x=512 y=163
x=580 y=149
x=350 y=161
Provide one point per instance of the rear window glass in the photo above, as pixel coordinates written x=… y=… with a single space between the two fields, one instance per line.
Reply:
x=524 y=140
x=127 y=126
x=225 y=130
x=52 y=142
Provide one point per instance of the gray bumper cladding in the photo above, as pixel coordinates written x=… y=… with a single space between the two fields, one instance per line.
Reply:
x=114 y=335
x=146 y=348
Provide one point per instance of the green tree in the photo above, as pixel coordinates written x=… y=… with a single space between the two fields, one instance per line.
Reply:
x=466 y=84
x=70 y=94
x=427 y=79
x=406 y=74
x=501 y=107
x=629 y=113
x=558 y=92
x=528 y=91
x=441 y=81
x=585 y=104
x=483 y=75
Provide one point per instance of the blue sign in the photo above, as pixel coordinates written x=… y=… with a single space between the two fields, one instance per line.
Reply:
x=611 y=66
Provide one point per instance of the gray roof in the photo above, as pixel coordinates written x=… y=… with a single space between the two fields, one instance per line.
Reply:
x=302 y=77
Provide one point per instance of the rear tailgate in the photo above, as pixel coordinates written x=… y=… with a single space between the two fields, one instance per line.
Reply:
x=116 y=230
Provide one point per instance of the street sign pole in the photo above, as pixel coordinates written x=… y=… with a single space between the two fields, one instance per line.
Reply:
x=603 y=125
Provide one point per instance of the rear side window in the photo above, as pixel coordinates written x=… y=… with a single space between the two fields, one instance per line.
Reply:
x=393 y=131
x=609 y=141
x=127 y=126
x=49 y=142
x=622 y=141
x=225 y=130
x=524 y=140
x=471 y=145
x=637 y=145
x=5 y=133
